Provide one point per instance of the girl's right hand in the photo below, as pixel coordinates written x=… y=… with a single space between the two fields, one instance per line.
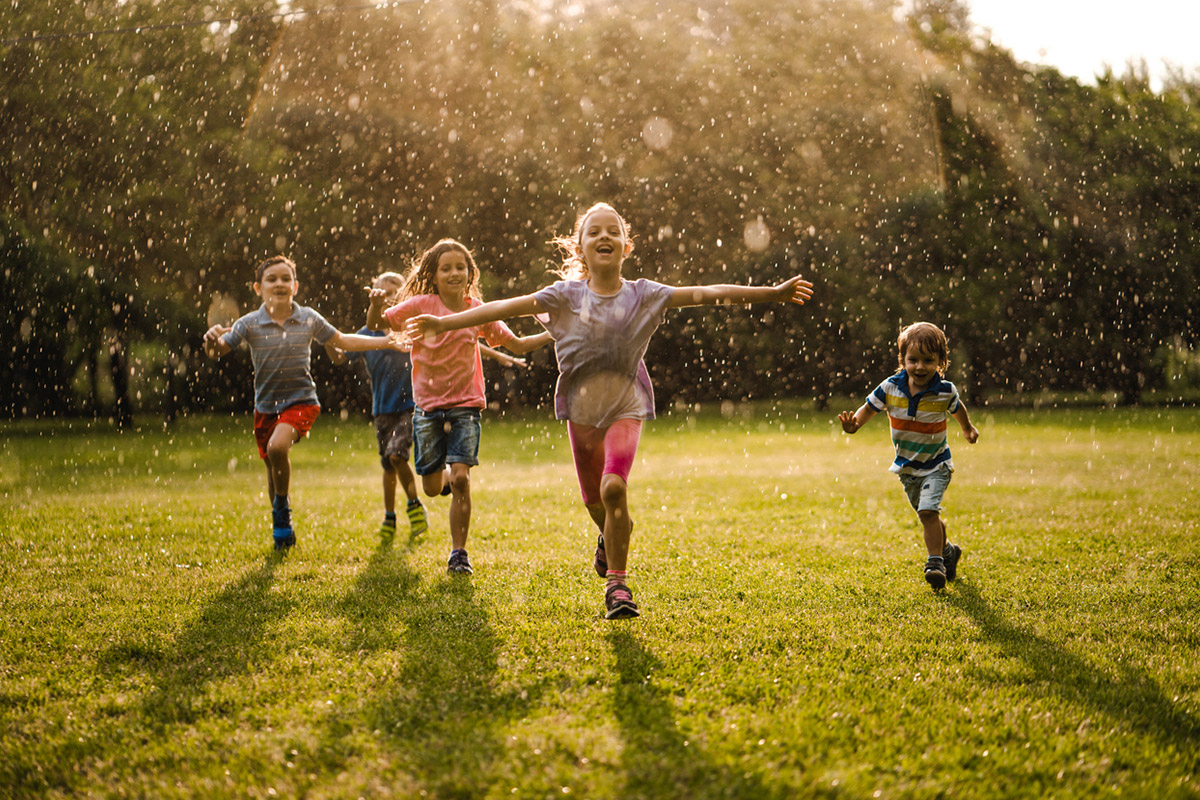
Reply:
x=376 y=295
x=797 y=290
x=421 y=326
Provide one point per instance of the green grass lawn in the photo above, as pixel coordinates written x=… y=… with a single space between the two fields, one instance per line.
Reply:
x=152 y=645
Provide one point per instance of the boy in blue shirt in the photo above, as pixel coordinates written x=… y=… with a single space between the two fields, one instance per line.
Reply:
x=280 y=336
x=917 y=400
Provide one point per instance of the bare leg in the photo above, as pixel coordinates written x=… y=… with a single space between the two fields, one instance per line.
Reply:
x=433 y=484
x=934 y=530
x=596 y=510
x=404 y=474
x=617 y=525
x=279 y=464
x=389 y=491
x=460 y=505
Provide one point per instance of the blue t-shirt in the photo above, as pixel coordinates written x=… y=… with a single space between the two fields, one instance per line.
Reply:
x=281 y=353
x=391 y=377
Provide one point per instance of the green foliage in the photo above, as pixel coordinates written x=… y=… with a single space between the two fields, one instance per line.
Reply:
x=153 y=645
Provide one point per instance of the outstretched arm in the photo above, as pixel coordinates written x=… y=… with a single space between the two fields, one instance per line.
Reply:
x=429 y=325
x=375 y=318
x=795 y=290
x=357 y=343
x=526 y=344
x=852 y=422
x=214 y=345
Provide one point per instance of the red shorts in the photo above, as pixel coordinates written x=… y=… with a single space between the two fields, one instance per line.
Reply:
x=603 y=451
x=300 y=417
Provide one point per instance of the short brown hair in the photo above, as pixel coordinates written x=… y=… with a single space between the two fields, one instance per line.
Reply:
x=270 y=262
x=927 y=338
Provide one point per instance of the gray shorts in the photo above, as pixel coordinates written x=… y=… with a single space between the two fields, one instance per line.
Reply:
x=925 y=492
x=395 y=435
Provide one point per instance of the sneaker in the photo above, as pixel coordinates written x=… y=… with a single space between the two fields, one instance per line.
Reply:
x=600 y=562
x=935 y=573
x=388 y=528
x=418 y=520
x=285 y=538
x=618 y=602
x=458 y=563
x=951 y=555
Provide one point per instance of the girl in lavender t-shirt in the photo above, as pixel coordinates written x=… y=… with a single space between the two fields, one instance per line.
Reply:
x=601 y=324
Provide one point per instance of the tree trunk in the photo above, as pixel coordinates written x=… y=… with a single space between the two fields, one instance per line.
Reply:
x=118 y=364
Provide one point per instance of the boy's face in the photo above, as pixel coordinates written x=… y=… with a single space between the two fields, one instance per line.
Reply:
x=278 y=285
x=453 y=274
x=921 y=367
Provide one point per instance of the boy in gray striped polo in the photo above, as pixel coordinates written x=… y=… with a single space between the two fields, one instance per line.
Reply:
x=917 y=400
x=280 y=336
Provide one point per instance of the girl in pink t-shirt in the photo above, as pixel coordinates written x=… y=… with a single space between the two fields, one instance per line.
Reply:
x=601 y=325
x=447 y=378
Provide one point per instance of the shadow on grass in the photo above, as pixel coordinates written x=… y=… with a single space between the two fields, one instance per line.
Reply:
x=658 y=760
x=439 y=711
x=225 y=639
x=1131 y=695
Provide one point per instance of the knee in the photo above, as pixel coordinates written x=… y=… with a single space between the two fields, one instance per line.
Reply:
x=612 y=491
x=460 y=482
x=928 y=517
x=277 y=452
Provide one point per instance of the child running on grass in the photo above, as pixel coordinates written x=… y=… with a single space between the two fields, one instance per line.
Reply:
x=601 y=325
x=917 y=400
x=280 y=335
x=390 y=373
x=447 y=378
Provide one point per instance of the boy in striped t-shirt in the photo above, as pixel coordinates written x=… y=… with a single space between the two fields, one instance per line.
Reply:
x=917 y=400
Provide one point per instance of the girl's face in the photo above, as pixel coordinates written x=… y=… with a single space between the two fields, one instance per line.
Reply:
x=602 y=240
x=920 y=366
x=278 y=285
x=453 y=275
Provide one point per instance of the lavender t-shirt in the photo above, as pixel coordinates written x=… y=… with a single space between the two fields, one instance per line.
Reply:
x=599 y=341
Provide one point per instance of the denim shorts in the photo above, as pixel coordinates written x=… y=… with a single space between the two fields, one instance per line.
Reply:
x=445 y=436
x=925 y=492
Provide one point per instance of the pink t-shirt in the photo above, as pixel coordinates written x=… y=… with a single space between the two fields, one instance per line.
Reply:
x=446 y=369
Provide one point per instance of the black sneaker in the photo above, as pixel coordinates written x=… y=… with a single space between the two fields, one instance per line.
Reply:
x=951 y=555
x=618 y=602
x=286 y=541
x=458 y=563
x=600 y=562
x=935 y=573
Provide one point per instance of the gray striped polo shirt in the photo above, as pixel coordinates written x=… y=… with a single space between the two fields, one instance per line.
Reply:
x=281 y=353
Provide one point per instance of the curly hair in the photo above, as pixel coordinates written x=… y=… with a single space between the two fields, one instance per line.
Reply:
x=573 y=266
x=926 y=338
x=422 y=275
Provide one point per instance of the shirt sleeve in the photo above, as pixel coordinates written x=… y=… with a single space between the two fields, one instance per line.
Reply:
x=954 y=399
x=322 y=330
x=497 y=334
x=878 y=398
x=396 y=316
x=238 y=334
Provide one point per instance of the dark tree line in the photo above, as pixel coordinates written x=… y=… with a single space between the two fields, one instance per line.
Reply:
x=912 y=170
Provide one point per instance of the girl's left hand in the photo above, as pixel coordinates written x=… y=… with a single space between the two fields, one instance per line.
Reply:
x=422 y=325
x=797 y=290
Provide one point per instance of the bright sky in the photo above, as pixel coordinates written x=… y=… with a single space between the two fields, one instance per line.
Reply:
x=1080 y=36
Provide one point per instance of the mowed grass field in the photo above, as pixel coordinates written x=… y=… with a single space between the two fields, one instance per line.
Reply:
x=152 y=644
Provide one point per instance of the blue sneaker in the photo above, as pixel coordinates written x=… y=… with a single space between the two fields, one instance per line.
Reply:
x=285 y=538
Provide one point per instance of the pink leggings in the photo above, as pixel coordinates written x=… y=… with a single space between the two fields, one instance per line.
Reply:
x=603 y=451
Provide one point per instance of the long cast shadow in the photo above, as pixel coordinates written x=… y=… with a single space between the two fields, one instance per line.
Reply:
x=443 y=696
x=657 y=759
x=225 y=639
x=1132 y=695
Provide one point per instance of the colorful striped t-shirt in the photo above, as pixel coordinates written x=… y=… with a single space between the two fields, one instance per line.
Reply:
x=918 y=422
